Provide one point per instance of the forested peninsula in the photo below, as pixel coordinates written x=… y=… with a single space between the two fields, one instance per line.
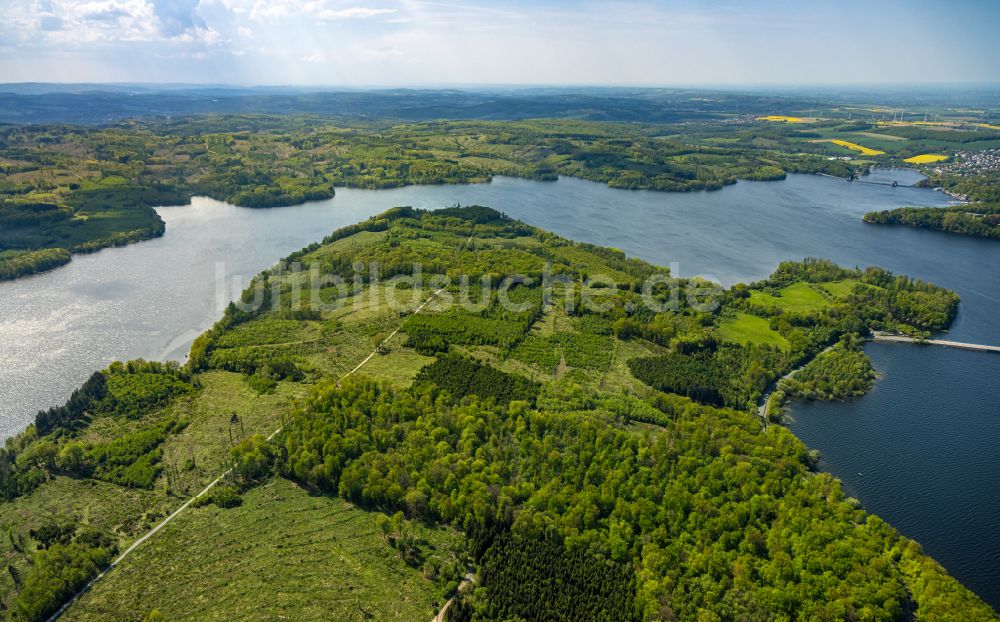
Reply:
x=558 y=446
x=978 y=214
x=977 y=219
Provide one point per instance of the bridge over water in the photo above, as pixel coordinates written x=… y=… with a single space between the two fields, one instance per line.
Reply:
x=878 y=336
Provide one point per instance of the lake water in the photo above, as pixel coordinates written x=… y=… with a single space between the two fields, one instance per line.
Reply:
x=920 y=450
x=924 y=439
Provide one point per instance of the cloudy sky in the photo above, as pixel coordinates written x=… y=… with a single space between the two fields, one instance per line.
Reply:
x=419 y=42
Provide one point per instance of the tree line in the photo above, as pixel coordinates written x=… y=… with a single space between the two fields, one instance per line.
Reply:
x=707 y=514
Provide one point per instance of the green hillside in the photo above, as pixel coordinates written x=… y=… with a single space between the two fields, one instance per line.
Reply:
x=580 y=435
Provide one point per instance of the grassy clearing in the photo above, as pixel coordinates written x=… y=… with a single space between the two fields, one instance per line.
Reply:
x=748 y=329
x=618 y=378
x=554 y=318
x=190 y=459
x=839 y=289
x=359 y=240
x=197 y=455
x=926 y=158
x=583 y=260
x=398 y=366
x=510 y=365
x=193 y=457
x=493 y=242
x=373 y=304
x=321 y=559
x=796 y=298
x=348 y=348
x=269 y=331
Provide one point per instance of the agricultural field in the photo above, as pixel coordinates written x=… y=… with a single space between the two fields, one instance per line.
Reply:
x=783 y=118
x=926 y=158
x=856 y=147
x=880 y=137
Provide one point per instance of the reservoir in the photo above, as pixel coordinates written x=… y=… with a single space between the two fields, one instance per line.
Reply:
x=919 y=450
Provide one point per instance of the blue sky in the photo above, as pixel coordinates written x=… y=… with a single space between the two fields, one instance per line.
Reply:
x=418 y=42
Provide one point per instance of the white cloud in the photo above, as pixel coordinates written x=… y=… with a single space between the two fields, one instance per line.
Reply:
x=353 y=12
x=244 y=31
x=381 y=54
x=266 y=11
x=269 y=10
x=110 y=20
x=76 y=23
x=318 y=56
x=205 y=36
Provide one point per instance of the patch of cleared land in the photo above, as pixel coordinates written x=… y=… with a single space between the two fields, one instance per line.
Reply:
x=397 y=365
x=321 y=559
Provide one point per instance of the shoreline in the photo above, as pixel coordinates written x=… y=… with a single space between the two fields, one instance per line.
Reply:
x=134 y=237
x=168 y=337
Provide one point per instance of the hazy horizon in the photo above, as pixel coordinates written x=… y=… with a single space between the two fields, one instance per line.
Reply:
x=523 y=85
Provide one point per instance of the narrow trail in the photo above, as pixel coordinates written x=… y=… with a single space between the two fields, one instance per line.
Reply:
x=440 y=617
x=765 y=404
x=385 y=341
x=149 y=534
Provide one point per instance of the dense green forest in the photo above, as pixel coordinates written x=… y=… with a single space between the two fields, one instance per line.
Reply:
x=977 y=219
x=595 y=461
x=840 y=373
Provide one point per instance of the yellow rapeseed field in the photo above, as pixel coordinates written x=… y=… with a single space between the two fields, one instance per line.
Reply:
x=856 y=147
x=778 y=117
x=988 y=126
x=926 y=158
